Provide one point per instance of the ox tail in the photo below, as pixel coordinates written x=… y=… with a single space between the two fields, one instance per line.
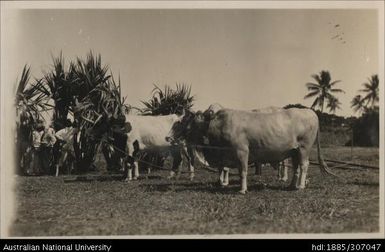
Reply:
x=323 y=166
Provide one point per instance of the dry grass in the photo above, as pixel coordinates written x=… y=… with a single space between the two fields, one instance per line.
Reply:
x=48 y=207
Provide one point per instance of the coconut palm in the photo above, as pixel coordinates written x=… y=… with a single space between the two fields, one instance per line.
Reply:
x=333 y=104
x=372 y=91
x=323 y=90
x=358 y=104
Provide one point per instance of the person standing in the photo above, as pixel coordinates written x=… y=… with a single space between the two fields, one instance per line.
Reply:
x=65 y=154
x=36 y=167
x=47 y=142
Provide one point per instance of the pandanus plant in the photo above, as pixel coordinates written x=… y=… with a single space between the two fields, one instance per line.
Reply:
x=32 y=99
x=165 y=102
x=100 y=112
x=168 y=101
x=86 y=90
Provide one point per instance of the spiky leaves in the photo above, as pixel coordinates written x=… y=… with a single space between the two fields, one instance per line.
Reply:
x=31 y=97
x=96 y=110
x=63 y=87
x=169 y=101
x=31 y=101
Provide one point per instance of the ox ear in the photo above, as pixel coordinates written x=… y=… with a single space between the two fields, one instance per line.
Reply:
x=180 y=117
x=199 y=116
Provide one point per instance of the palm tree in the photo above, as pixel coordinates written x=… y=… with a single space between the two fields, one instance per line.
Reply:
x=323 y=89
x=333 y=104
x=372 y=91
x=358 y=104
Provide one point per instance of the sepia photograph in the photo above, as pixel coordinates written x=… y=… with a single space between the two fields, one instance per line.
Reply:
x=192 y=119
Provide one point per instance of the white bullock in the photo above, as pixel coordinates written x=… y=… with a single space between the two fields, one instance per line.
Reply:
x=149 y=134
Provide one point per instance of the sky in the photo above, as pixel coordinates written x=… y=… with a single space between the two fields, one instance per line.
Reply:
x=242 y=59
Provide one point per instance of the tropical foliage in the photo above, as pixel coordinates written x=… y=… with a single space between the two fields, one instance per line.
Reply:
x=333 y=104
x=62 y=85
x=371 y=89
x=369 y=100
x=358 y=104
x=165 y=102
x=84 y=89
x=324 y=90
x=102 y=106
x=169 y=101
x=31 y=101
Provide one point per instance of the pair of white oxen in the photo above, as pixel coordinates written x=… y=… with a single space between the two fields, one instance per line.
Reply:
x=230 y=139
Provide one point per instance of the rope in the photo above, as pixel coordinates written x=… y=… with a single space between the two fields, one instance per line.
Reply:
x=152 y=164
x=222 y=148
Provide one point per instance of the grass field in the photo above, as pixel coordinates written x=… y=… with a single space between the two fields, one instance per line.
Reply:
x=47 y=206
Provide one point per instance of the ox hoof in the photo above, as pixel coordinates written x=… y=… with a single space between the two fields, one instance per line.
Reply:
x=172 y=175
x=127 y=179
x=296 y=188
x=243 y=192
x=192 y=177
x=223 y=184
x=135 y=178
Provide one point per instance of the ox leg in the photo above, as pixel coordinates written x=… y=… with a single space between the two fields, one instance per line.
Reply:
x=135 y=155
x=136 y=170
x=128 y=172
x=282 y=171
x=243 y=156
x=258 y=173
x=296 y=172
x=304 y=165
x=177 y=160
x=57 y=170
x=258 y=168
x=190 y=161
x=224 y=176
x=221 y=176
x=128 y=162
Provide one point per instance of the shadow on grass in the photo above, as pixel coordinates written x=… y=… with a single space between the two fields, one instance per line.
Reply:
x=208 y=187
x=364 y=183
